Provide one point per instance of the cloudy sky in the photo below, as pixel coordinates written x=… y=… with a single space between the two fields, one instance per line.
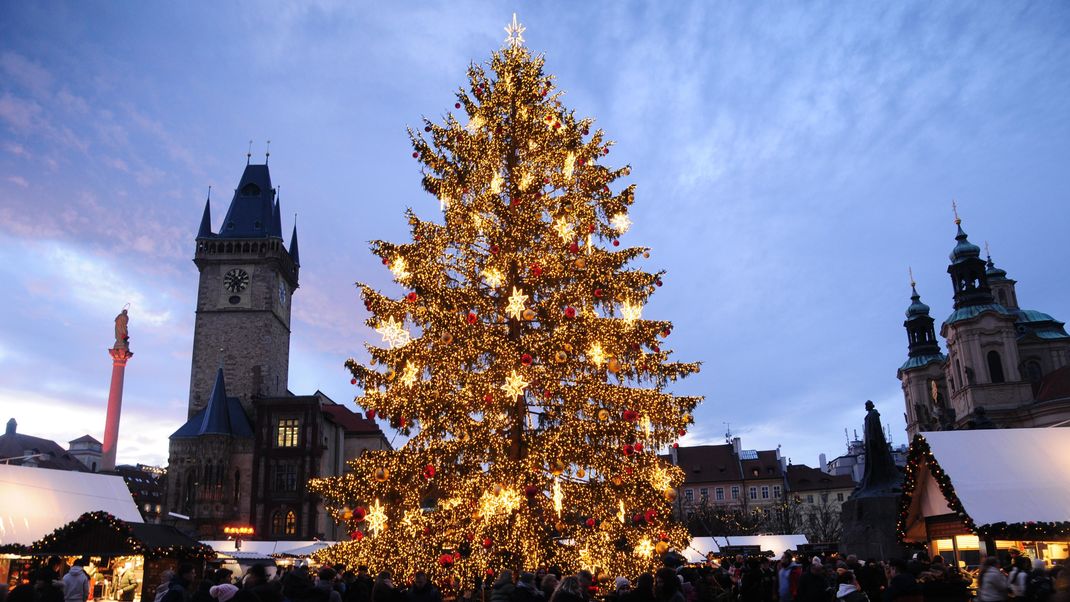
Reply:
x=792 y=160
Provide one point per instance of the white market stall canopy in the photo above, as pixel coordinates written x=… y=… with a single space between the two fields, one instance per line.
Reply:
x=1002 y=475
x=266 y=549
x=778 y=544
x=36 y=501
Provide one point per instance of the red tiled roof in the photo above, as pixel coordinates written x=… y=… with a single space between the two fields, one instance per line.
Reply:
x=1055 y=385
x=803 y=478
x=767 y=464
x=708 y=463
x=351 y=421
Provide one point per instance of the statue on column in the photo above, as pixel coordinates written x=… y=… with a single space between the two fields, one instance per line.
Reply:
x=881 y=475
x=122 y=334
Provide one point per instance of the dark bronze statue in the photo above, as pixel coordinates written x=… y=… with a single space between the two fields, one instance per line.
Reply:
x=882 y=476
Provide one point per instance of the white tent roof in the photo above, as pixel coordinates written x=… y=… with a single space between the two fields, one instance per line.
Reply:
x=1006 y=475
x=36 y=501
x=264 y=548
x=700 y=546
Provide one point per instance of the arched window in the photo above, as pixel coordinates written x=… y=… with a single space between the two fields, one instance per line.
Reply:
x=995 y=367
x=291 y=523
x=277 y=523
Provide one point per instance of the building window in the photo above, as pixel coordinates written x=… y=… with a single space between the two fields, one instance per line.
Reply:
x=287 y=432
x=753 y=493
x=735 y=492
x=809 y=498
x=719 y=494
x=839 y=497
x=285 y=477
x=776 y=491
x=689 y=495
x=765 y=492
x=704 y=494
x=824 y=497
x=291 y=523
x=995 y=367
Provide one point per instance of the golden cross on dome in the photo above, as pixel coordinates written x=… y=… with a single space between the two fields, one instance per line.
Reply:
x=515 y=30
x=955 y=210
x=910 y=271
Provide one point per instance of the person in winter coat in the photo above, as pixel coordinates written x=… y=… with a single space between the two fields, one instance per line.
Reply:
x=525 y=589
x=1018 y=579
x=502 y=590
x=76 y=584
x=422 y=590
x=127 y=584
x=812 y=584
x=643 y=590
x=667 y=586
x=569 y=590
x=992 y=586
x=788 y=578
x=548 y=585
x=902 y=587
x=165 y=583
x=849 y=590
x=324 y=588
x=178 y=590
x=384 y=590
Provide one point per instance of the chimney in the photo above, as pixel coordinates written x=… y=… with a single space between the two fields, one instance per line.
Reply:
x=822 y=463
x=11 y=424
x=737 y=446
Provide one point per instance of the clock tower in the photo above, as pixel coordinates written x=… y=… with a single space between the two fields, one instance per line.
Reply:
x=247 y=279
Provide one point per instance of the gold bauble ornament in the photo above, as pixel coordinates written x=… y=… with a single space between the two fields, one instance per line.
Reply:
x=390 y=375
x=529 y=314
x=496 y=489
x=558 y=467
x=614 y=365
x=603 y=414
x=646 y=254
x=661 y=547
x=581 y=263
x=617 y=480
x=446 y=338
x=670 y=494
x=607 y=525
x=568 y=348
x=561 y=357
x=560 y=526
x=381 y=474
x=580 y=473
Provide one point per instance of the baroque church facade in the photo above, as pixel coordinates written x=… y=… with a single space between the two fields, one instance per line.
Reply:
x=1005 y=367
x=249 y=445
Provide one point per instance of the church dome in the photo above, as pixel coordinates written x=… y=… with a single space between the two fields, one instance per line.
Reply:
x=917 y=308
x=993 y=272
x=965 y=249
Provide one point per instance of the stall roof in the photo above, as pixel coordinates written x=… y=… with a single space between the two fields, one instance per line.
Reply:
x=36 y=501
x=700 y=546
x=100 y=533
x=1006 y=475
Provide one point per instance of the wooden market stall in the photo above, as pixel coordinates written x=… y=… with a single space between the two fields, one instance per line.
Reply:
x=124 y=553
x=970 y=494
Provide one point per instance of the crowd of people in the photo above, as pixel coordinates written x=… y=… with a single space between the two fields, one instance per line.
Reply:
x=739 y=579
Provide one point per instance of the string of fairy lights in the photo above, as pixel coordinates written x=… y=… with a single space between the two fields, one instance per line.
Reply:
x=517 y=357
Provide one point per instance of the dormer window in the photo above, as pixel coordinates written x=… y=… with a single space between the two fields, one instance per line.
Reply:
x=250 y=189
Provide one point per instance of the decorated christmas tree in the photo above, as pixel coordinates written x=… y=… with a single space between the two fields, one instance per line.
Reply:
x=516 y=359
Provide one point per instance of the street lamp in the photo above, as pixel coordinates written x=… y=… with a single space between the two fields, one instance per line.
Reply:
x=237 y=532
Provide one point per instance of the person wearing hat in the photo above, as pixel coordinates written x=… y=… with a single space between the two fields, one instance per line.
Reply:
x=223 y=592
x=525 y=589
x=812 y=584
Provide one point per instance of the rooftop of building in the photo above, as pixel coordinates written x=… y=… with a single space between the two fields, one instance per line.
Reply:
x=804 y=478
x=14 y=444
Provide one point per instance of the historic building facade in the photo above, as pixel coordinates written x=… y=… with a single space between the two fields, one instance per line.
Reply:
x=249 y=445
x=1005 y=366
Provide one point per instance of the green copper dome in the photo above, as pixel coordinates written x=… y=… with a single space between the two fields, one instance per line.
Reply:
x=965 y=249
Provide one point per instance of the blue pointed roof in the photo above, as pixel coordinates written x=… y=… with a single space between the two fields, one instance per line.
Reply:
x=276 y=221
x=965 y=249
x=293 y=246
x=917 y=308
x=252 y=210
x=222 y=416
x=205 y=231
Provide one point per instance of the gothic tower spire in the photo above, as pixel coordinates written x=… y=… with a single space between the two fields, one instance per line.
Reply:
x=967 y=271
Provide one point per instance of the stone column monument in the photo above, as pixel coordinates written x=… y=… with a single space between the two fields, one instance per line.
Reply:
x=869 y=516
x=120 y=354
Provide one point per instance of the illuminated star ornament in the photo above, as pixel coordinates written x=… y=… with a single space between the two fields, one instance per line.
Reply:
x=514 y=385
x=393 y=333
x=596 y=355
x=563 y=229
x=400 y=269
x=376 y=517
x=644 y=548
x=409 y=375
x=515 y=308
x=631 y=312
x=621 y=222
x=492 y=277
x=515 y=31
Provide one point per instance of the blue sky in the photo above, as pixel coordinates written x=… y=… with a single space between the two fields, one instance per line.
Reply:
x=792 y=160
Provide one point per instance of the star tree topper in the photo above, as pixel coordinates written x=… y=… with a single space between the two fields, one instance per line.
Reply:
x=515 y=30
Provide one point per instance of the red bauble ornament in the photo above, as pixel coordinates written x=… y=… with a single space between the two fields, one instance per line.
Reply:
x=456 y=105
x=531 y=491
x=536 y=270
x=616 y=243
x=359 y=513
x=356 y=535
x=655 y=348
x=445 y=560
x=582 y=161
x=526 y=359
x=412 y=297
x=352 y=381
x=591 y=522
x=427 y=128
x=663 y=536
x=487 y=542
x=628 y=449
x=570 y=312
x=658 y=282
x=676 y=445
x=429 y=472
x=472 y=317
x=415 y=155
x=370 y=414
x=489 y=572
x=385 y=261
x=650 y=515
x=574 y=248
x=605 y=151
x=638 y=447
x=488 y=398
x=494 y=249
x=591 y=228
x=598 y=293
x=631 y=415
x=681 y=432
x=514 y=200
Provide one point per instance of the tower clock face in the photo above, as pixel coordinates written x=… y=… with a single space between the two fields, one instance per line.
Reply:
x=236 y=280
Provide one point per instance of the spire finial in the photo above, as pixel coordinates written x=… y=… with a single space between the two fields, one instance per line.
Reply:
x=988 y=252
x=220 y=358
x=910 y=271
x=249 y=153
x=955 y=210
x=267 y=153
x=209 y=192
